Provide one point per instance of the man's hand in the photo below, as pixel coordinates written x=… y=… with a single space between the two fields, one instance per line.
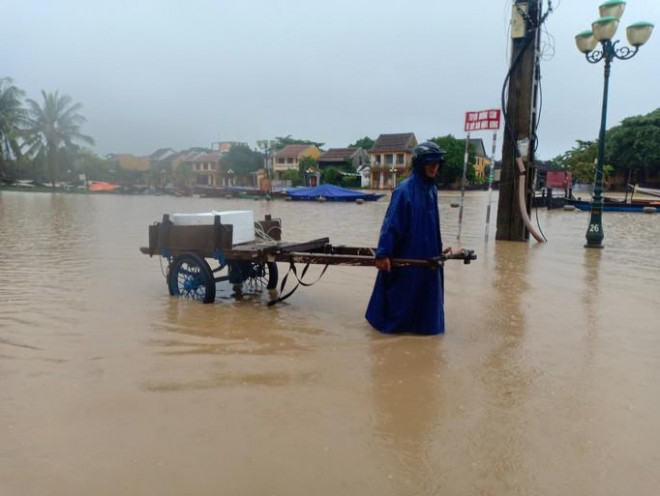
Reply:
x=384 y=264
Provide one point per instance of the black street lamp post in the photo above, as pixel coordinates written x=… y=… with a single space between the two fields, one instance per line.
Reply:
x=603 y=30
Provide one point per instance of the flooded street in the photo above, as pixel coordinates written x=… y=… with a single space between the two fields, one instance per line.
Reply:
x=544 y=383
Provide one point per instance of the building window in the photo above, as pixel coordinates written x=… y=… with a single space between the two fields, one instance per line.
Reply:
x=389 y=159
x=377 y=161
x=280 y=160
x=399 y=158
x=289 y=160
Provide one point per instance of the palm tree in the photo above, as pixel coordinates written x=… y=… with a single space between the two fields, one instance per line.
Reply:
x=12 y=116
x=52 y=129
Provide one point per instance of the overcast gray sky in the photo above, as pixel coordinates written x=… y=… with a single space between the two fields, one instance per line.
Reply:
x=164 y=73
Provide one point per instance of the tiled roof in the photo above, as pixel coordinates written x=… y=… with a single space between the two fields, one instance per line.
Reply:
x=292 y=151
x=338 y=154
x=161 y=154
x=206 y=157
x=394 y=142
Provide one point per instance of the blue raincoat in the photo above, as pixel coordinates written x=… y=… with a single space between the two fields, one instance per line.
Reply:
x=410 y=299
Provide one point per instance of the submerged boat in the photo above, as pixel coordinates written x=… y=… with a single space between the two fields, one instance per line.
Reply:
x=329 y=192
x=612 y=205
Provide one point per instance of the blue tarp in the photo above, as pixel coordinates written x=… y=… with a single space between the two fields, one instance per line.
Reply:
x=330 y=193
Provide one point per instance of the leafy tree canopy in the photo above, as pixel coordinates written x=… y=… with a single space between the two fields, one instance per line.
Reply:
x=635 y=143
x=294 y=176
x=632 y=145
x=242 y=160
x=12 y=116
x=306 y=163
x=580 y=160
x=365 y=143
x=454 y=157
x=53 y=128
x=331 y=175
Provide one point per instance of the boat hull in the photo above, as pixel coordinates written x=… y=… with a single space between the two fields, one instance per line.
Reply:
x=609 y=206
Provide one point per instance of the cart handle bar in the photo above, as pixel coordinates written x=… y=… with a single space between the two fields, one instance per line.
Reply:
x=368 y=261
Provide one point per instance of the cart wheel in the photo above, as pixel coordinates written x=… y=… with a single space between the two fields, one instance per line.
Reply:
x=191 y=277
x=262 y=275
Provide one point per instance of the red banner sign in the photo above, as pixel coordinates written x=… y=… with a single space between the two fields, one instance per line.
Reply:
x=483 y=120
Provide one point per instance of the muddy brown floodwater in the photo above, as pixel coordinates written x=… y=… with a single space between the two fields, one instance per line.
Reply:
x=545 y=383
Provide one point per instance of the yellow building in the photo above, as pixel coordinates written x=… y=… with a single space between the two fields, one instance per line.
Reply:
x=131 y=162
x=481 y=161
x=289 y=157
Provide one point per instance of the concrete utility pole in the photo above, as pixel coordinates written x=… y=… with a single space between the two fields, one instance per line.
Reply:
x=520 y=117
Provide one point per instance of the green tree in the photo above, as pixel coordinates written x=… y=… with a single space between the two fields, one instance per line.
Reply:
x=282 y=141
x=94 y=168
x=307 y=163
x=242 y=160
x=183 y=175
x=580 y=160
x=635 y=144
x=365 y=143
x=52 y=129
x=331 y=175
x=454 y=149
x=12 y=116
x=294 y=176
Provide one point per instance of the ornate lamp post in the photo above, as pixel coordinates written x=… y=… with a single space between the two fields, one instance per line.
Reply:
x=393 y=176
x=603 y=30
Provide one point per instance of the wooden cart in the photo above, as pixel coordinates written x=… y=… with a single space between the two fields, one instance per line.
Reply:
x=197 y=255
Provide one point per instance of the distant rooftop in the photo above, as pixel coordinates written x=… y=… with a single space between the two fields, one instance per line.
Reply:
x=338 y=154
x=292 y=150
x=394 y=143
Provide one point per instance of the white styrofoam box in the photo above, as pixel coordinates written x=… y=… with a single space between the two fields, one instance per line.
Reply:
x=242 y=220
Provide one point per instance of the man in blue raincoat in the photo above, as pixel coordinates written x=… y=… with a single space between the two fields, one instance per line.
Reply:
x=411 y=299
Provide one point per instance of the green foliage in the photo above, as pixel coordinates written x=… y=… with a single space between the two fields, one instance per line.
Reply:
x=454 y=158
x=51 y=130
x=242 y=160
x=282 y=141
x=307 y=163
x=635 y=144
x=581 y=160
x=12 y=116
x=294 y=176
x=183 y=175
x=331 y=175
x=348 y=166
x=266 y=146
x=365 y=143
x=94 y=167
x=351 y=181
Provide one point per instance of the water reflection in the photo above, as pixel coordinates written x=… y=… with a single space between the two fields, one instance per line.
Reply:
x=591 y=294
x=407 y=400
x=499 y=440
x=234 y=342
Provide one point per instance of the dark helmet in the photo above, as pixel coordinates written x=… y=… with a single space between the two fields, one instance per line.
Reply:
x=428 y=153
